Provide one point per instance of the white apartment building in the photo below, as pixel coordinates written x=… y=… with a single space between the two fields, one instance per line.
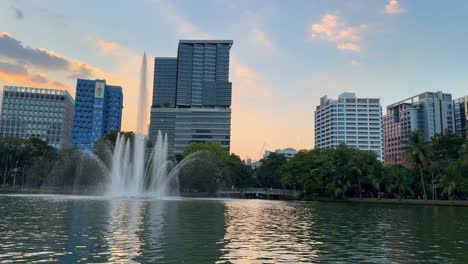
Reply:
x=356 y=122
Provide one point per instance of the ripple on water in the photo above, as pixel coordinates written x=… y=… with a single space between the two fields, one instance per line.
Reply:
x=73 y=230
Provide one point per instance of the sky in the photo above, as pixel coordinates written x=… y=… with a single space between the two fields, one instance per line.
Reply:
x=285 y=56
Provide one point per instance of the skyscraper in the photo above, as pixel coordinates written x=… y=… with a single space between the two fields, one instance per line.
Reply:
x=37 y=112
x=460 y=114
x=356 y=122
x=98 y=110
x=192 y=95
x=430 y=113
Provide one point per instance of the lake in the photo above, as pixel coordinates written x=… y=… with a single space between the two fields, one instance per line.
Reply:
x=69 y=229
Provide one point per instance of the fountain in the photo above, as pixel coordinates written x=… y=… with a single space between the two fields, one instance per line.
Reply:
x=130 y=173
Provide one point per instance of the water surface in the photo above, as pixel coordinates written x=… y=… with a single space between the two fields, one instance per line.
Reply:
x=71 y=229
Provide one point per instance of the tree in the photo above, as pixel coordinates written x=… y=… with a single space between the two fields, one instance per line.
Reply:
x=417 y=155
x=398 y=179
x=213 y=168
x=268 y=174
x=456 y=176
x=443 y=149
x=302 y=169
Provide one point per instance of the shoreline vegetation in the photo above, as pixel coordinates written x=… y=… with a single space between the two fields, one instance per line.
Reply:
x=385 y=201
x=434 y=171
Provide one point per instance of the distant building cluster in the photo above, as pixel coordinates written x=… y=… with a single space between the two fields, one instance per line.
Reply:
x=360 y=123
x=191 y=102
x=53 y=116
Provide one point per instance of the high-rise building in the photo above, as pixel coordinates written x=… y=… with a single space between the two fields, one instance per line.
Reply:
x=36 y=112
x=192 y=95
x=430 y=113
x=356 y=122
x=460 y=114
x=98 y=110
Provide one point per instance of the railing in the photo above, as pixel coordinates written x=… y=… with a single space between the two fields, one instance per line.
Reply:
x=262 y=192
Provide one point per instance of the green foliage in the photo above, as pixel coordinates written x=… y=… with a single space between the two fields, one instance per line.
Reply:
x=417 y=154
x=210 y=168
x=111 y=136
x=398 y=180
x=339 y=173
x=268 y=174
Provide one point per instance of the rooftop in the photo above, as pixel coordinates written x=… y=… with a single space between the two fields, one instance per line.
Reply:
x=206 y=41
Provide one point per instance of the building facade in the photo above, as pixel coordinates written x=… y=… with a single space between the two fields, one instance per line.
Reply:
x=356 y=122
x=98 y=110
x=36 y=112
x=192 y=95
x=287 y=152
x=460 y=115
x=430 y=113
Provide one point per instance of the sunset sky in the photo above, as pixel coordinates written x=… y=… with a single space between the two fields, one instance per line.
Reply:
x=286 y=54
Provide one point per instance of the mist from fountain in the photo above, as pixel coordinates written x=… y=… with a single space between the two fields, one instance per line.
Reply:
x=131 y=173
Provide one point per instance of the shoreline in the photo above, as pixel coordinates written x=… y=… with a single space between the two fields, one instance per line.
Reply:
x=454 y=203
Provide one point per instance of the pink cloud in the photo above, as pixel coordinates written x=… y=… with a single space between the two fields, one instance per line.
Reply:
x=331 y=28
x=393 y=7
x=349 y=46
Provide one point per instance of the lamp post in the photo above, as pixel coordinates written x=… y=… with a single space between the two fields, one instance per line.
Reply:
x=22 y=178
x=14 y=177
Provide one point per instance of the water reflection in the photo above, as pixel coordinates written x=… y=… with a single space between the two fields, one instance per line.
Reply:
x=69 y=229
x=125 y=222
x=267 y=232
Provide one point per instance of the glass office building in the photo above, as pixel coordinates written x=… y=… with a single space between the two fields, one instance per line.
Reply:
x=98 y=110
x=37 y=112
x=460 y=114
x=192 y=95
x=430 y=113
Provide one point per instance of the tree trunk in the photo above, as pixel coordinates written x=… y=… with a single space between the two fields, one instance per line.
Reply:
x=422 y=182
x=5 y=175
x=360 y=191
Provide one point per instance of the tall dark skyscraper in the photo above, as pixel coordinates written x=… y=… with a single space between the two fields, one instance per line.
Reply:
x=460 y=112
x=192 y=95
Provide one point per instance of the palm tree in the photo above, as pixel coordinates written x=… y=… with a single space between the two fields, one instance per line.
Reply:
x=416 y=153
x=448 y=184
x=398 y=180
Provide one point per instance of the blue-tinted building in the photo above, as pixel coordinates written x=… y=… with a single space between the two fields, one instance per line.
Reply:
x=98 y=110
x=192 y=95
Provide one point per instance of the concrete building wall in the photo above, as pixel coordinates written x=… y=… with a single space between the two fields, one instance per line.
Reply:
x=356 y=122
x=37 y=112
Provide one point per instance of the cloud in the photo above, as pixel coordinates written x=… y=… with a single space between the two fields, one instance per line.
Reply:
x=332 y=29
x=184 y=28
x=394 y=8
x=108 y=47
x=262 y=38
x=44 y=59
x=248 y=83
x=19 y=75
x=18 y=13
x=349 y=46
